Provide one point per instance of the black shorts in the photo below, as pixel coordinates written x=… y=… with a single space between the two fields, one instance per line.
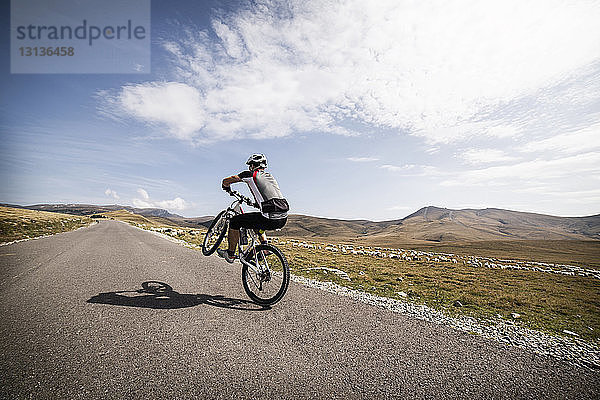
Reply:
x=256 y=220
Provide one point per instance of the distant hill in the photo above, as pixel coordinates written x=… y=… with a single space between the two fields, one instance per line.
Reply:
x=127 y=216
x=443 y=225
x=433 y=224
x=427 y=225
x=90 y=209
x=86 y=209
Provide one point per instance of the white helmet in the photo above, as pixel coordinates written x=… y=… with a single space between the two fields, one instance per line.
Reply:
x=257 y=160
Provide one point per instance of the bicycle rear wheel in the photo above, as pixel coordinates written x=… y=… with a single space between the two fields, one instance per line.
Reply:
x=268 y=280
x=216 y=233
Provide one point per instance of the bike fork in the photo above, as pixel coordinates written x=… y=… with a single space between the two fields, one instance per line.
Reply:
x=257 y=269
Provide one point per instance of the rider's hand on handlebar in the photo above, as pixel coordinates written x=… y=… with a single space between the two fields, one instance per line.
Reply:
x=226 y=188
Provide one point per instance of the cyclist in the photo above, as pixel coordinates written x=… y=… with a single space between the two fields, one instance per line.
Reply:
x=273 y=206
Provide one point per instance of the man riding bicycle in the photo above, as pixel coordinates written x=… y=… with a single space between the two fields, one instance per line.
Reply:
x=273 y=206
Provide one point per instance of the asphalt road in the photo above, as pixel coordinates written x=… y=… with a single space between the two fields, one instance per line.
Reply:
x=74 y=326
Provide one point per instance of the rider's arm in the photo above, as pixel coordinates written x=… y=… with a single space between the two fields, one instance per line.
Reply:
x=231 y=179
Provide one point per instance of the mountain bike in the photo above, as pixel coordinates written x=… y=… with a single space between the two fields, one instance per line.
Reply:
x=265 y=270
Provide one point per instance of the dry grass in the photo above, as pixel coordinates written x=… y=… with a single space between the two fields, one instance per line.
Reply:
x=17 y=223
x=545 y=301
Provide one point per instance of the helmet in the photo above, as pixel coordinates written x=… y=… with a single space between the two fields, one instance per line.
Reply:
x=257 y=160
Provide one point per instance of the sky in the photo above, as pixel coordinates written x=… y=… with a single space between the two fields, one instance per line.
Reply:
x=364 y=109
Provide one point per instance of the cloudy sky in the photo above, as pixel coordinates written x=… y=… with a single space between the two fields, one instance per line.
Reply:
x=365 y=109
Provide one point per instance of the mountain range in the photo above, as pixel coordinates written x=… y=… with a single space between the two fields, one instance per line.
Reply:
x=427 y=225
x=434 y=224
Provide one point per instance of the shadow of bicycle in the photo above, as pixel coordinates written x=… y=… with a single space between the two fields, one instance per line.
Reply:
x=159 y=295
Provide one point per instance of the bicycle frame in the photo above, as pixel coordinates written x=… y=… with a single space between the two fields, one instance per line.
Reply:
x=251 y=247
x=243 y=250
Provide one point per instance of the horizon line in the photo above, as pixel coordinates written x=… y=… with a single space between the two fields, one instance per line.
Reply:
x=312 y=215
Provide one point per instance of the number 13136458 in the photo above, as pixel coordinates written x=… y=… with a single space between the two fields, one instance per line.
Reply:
x=47 y=51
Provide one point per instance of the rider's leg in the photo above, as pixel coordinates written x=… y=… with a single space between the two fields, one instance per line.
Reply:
x=233 y=237
x=250 y=221
x=262 y=236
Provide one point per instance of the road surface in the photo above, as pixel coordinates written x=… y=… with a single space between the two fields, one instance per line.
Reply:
x=75 y=326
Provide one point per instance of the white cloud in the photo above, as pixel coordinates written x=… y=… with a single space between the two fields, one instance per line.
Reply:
x=175 y=105
x=431 y=69
x=582 y=140
x=362 y=159
x=485 y=156
x=143 y=193
x=502 y=131
x=413 y=170
x=578 y=197
x=535 y=171
x=176 y=205
x=396 y=168
x=111 y=193
x=142 y=204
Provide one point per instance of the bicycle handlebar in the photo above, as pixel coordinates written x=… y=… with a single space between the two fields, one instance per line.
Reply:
x=242 y=198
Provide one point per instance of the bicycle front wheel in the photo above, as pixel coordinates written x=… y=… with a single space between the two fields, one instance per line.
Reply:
x=216 y=233
x=267 y=280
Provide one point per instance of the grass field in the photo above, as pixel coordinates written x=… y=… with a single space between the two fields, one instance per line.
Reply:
x=17 y=223
x=545 y=301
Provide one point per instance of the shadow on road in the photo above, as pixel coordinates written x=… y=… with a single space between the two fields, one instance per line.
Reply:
x=160 y=295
